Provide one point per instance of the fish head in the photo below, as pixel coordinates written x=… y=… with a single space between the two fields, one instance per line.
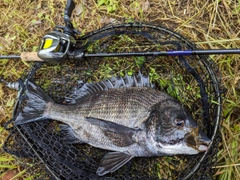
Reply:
x=176 y=132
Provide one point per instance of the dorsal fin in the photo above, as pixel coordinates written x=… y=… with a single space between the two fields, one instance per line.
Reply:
x=113 y=83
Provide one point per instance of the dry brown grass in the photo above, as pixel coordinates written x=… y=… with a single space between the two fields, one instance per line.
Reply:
x=210 y=23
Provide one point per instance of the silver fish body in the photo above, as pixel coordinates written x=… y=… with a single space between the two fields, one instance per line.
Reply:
x=130 y=119
x=129 y=107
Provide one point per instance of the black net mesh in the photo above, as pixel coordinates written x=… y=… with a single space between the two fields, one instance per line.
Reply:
x=193 y=80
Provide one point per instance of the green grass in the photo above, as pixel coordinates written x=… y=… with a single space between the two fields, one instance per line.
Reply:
x=211 y=24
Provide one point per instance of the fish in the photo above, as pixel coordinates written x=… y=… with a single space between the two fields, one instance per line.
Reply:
x=127 y=116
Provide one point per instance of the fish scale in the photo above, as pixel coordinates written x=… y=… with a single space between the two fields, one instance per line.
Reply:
x=122 y=115
x=134 y=108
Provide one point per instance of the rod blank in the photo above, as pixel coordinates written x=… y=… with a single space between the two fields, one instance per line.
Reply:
x=26 y=56
x=32 y=56
x=10 y=57
x=215 y=51
x=168 y=53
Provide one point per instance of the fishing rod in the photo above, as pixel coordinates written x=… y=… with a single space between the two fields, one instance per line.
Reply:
x=33 y=56
x=60 y=44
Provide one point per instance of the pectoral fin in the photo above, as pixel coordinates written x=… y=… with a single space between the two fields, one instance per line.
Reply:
x=120 y=135
x=112 y=161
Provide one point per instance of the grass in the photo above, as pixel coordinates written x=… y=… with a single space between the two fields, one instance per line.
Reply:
x=211 y=24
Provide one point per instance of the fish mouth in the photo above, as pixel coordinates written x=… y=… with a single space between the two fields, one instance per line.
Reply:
x=199 y=144
x=197 y=140
x=203 y=142
x=203 y=145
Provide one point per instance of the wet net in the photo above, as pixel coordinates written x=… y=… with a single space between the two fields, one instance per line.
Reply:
x=193 y=80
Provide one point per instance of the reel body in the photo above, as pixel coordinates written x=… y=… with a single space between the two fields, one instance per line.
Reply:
x=55 y=46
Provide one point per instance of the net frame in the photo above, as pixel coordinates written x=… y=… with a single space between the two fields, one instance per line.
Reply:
x=102 y=40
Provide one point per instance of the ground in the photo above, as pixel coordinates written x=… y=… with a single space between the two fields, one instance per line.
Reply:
x=210 y=24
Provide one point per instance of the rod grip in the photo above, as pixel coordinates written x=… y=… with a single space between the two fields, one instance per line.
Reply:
x=30 y=56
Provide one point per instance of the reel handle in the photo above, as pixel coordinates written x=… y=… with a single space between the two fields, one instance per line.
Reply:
x=68 y=11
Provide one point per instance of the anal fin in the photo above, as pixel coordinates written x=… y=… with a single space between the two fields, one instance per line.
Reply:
x=112 y=161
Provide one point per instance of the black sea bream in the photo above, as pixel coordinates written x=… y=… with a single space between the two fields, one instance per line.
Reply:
x=125 y=115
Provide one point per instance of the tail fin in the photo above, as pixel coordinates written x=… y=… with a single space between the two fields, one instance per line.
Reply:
x=36 y=104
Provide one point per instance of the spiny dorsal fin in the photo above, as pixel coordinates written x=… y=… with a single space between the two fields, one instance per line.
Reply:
x=113 y=83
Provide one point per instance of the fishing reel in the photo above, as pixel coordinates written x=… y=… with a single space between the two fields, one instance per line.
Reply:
x=54 y=47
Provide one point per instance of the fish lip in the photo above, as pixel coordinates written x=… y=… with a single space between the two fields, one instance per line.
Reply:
x=203 y=143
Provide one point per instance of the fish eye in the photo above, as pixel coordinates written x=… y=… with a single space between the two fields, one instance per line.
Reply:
x=179 y=122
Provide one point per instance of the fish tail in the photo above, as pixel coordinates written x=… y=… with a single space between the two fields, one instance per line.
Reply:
x=36 y=104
